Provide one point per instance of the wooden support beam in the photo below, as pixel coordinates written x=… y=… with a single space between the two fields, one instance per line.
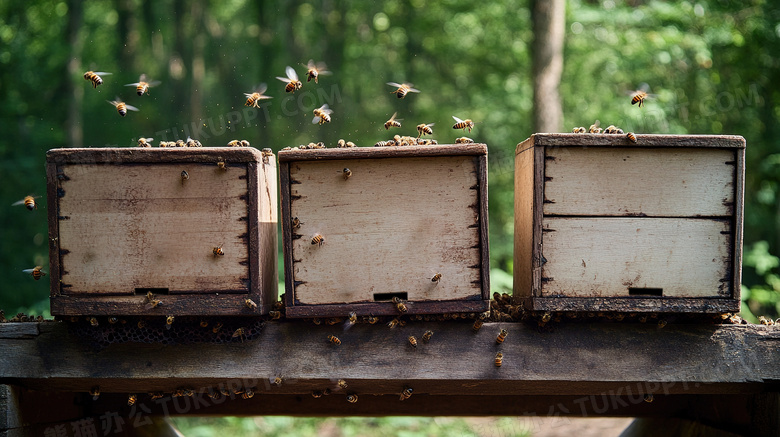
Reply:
x=565 y=359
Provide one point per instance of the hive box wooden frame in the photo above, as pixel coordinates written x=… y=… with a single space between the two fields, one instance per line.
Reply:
x=257 y=241
x=421 y=155
x=535 y=219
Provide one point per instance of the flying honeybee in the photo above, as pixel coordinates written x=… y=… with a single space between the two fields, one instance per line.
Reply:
x=499 y=359
x=145 y=142
x=254 y=97
x=347 y=173
x=217 y=251
x=168 y=322
x=436 y=278
x=94 y=77
x=406 y=393
x=249 y=303
x=293 y=84
x=640 y=95
x=463 y=124
x=322 y=115
x=413 y=341
x=335 y=340
x=631 y=137
x=501 y=336
x=393 y=122
x=315 y=70
x=122 y=107
x=35 y=272
x=131 y=399
x=403 y=89
x=463 y=140
x=318 y=240
x=143 y=85
x=427 y=336
x=351 y=320
x=425 y=129
x=28 y=202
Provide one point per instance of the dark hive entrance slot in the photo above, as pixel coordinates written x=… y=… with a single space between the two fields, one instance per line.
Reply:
x=153 y=290
x=390 y=296
x=645 y=291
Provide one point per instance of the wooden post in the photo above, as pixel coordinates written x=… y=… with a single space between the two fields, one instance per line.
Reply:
x=548 y=18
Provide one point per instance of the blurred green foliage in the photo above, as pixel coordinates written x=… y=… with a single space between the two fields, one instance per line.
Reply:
x=710 y=64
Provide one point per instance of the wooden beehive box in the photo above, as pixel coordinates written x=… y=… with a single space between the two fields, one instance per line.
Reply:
x=123 y=222
x=604 y=224
x=404 y=215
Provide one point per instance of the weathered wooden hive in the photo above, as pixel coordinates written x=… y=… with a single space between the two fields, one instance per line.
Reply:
x=391 y=220
x=123 y=222
x=605 y=224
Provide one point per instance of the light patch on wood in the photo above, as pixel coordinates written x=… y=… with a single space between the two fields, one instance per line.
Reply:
x=598 y=257
x=524 y=217
x=388 y=229
x=129 y=226
x=666 y=182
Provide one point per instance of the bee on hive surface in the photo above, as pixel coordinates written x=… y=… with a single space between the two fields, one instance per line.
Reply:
x=612 y=129
x=184 y=176
x=463 y=124
x=347 y=173
x=403 y=89
x=351 y=144
x=631 y=137
x=204 y=324
x=322 y=115
x=168 y=322
x=93 y=321
x=372 y=320
x=122 y=107
x=648 y=397
x=145 y=142
x=296 y=223
x=499 y=359
x=334 y=321
x=234 y=143
x=275 y=315
x=240 y=332
x=267 y=153
x=217 y=251
x=406 y=393
x=477 y=324
x=594 y=128
x=95 y=392
x=316 y=394
x=393 y=122
x=152 y=303
x=424 y=129
x=276 y=380
x=216 y=327
x=436 y=278
x=662 y=323
x=131 y=399
x=351 y=320
x=317 y=239
x=248 y=394
x=253 y=98
x=335 y=340
x=579 y=130
x=180 y=143
x=393 y=323
x=342 y=384
x=141 y=324
x=384 y=143
x=192 y=143
x=413 y=341
x=94 y=77
x=314 y=70
x=249 y=303
x=35 y=272
x=501 y=336
x=293 y=84
x=341 y=143
x=399 y=305
x=143 y=85
x=427 y=336
x=463 y=140
x=113 y=320
x=222 y=166
x=352 y=398
x=546 y=317
x=156 y=395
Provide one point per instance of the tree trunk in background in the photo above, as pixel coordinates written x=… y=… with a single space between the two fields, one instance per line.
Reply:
x=198 y=63
x=127 y=27
x=75 y=88
x=549 y=20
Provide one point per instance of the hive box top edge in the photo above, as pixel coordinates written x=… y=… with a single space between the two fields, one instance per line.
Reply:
x=152 y=154
x=621 y=140
x=475 y=149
